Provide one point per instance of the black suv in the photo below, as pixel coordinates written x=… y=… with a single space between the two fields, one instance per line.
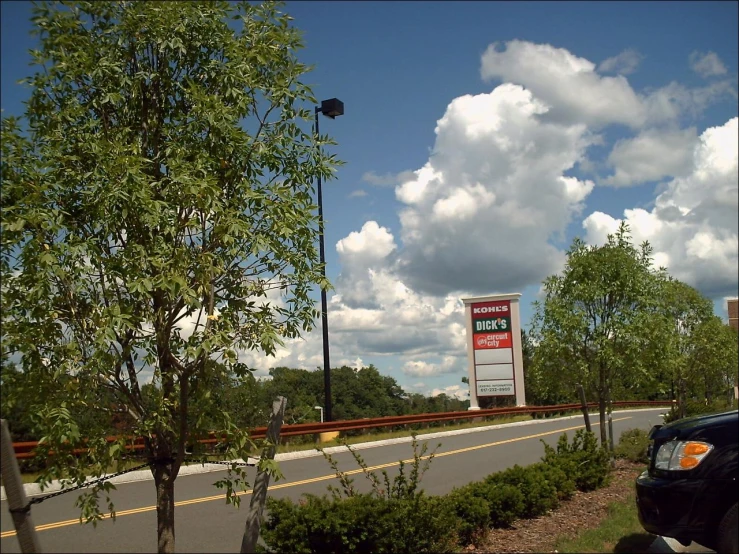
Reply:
x=690 y=490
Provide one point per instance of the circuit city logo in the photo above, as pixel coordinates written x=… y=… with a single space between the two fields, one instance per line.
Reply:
x=485 y=341
x=490 y=310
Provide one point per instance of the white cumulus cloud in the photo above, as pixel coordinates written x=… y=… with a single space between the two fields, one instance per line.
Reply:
x=567 y=83
x=422 y=368
x=673 y=100
x=479 y=214
x=693 y=226
x=577 y=93
x=383 y=180
x=359 y=253
x=624 y=63
x=367 y=246
x=651 y=155
x=460 y=392
x=706 y=64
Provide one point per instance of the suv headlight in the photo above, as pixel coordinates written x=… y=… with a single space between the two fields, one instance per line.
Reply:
x=681 y=455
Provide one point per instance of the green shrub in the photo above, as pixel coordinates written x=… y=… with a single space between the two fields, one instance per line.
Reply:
x=583 y=460
x=397 y=517
x=563 y=483
x=426 y=524
x=472 y=512
x=505 y=502
x=633 y=446
x=540 y=494
x=363 y=523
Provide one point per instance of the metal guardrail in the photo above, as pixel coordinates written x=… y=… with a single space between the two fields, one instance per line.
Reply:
x=25 y=450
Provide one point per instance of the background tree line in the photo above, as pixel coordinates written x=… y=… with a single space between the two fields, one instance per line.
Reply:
x=357 y=393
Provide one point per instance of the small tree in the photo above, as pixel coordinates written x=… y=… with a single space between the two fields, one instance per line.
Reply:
x=713 y=361
x=682 y=311
x=594 y=323
x=158 y=189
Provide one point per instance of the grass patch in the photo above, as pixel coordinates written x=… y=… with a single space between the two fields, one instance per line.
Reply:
x=619 y=532
x=378 y=436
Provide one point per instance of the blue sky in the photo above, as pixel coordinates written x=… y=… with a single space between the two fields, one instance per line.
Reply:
x=633 y=103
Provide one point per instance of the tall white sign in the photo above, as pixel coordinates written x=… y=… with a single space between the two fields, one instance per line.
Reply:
x=495 y=362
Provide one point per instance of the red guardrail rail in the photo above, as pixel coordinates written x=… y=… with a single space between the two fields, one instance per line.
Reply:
x=25 y=450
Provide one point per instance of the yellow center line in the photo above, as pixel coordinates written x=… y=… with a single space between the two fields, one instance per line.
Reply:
x=48 y=526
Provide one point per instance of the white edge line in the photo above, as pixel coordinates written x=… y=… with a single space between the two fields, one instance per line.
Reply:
x=33 y=489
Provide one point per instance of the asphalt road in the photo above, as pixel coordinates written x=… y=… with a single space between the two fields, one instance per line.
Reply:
x=205 y=523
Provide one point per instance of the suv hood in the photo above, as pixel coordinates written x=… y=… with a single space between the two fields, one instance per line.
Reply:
x=690 y=427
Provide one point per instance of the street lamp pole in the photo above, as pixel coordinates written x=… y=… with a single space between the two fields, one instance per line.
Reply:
x=330 y=108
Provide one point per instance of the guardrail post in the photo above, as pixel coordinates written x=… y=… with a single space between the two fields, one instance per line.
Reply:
x=18 y=504
x=584 y=407
x=610 y=427
x=261 y=482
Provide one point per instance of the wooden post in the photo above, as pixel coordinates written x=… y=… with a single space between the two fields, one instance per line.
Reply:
x=261 y=482
x=584 y=407
x=610 y=426
x=610 y=431
x=18 y=505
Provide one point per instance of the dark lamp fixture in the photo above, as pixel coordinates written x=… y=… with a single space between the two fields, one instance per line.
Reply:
x=332 y=108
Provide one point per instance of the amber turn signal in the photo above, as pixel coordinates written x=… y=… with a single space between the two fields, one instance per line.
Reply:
x=689 y=463
x=696 y=448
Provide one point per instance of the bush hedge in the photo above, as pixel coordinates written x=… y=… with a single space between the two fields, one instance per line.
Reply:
x=633 y=445
x=360 y=523
x=583 y=460
x=378 y=522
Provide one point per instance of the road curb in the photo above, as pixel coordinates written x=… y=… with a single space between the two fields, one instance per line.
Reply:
x=33 y=489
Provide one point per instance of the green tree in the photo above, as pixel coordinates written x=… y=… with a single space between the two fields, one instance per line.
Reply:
x=528 y=348
x=682 y=311
x=593 y=325
x=303 y=387
x=713 y=361
x=157 y=213
x=13 y=407
x=378 y=395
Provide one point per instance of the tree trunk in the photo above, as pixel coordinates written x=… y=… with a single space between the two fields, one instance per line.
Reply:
x=708 y=389
x=164 y=478
x=681 y=397
x=611 y=440
x=602 y=418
